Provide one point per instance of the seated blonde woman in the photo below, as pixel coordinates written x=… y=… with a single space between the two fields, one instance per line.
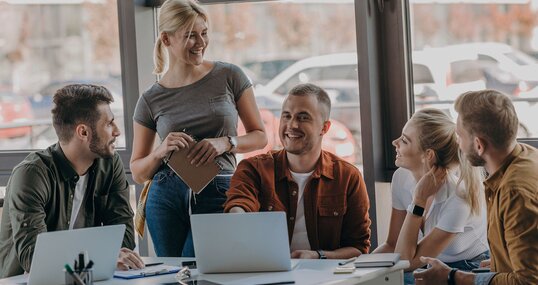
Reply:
x=435 y=213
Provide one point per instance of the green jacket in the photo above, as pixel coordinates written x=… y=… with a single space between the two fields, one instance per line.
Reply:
x=39 y=198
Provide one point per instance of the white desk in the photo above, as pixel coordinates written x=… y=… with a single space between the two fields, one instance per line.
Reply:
x=305 y=272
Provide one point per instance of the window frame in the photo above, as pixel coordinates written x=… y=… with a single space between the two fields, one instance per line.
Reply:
x=384 y=72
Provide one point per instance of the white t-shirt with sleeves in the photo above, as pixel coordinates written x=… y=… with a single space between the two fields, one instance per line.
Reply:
x=449 y=213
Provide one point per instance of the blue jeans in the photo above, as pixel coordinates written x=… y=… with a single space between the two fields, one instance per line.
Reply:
x=167 y=211
x=464 y=265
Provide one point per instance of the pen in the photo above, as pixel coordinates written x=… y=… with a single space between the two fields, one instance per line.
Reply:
x=153 y=264
x=81 y=261
x=75 y=276
x=347 y=261
x=85 y=269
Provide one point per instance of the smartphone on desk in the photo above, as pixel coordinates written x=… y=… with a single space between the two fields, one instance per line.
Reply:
x=190 y=264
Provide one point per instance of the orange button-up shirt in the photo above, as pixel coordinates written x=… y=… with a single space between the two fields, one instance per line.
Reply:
x=512 y=204
x=335 y=199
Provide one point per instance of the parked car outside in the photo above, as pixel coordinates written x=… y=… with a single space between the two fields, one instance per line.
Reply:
x=475 y=66
x=450 y=71
x=267 y=69
x=338 y=75
x=507 y=58
x=14 y=109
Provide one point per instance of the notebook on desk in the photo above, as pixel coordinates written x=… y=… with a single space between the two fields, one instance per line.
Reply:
x=55 y=249
x=246 y=242
x=196 y=178
x=377 y=260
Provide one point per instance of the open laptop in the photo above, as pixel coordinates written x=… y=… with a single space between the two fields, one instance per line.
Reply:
x=55 y=249
x=246 y=242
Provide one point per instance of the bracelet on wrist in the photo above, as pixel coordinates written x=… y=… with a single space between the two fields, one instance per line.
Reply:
x=452 y=277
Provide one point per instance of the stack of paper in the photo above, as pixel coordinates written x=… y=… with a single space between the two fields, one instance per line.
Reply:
x=377 y=260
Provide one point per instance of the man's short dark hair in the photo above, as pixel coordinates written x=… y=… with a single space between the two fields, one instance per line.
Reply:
x=309 y=89
x=77 y=104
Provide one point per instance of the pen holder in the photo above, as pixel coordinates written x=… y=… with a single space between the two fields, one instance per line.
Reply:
x=85 y=275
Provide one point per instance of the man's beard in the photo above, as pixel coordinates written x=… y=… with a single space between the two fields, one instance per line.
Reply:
x=99 y=147
x=475 y=159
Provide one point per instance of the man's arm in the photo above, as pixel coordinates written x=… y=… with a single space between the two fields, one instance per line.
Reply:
x=26 y=195
x=356 y=224
x=244 y=189
x=117 y=209
x=521 y=235
x=341 y=253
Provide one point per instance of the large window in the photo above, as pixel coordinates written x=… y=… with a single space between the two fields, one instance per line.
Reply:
x=473 y=45
x=44 y=47
x=279 y=45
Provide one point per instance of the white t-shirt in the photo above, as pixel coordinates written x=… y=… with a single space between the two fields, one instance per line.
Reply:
x=449 y=213
x=80 y=189
x=299 y=239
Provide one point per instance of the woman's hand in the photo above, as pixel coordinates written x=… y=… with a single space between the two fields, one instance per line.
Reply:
x=429 y=185
x=173 y=141
x=207 y=149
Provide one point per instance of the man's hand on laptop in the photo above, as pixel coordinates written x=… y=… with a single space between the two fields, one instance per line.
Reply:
x=129 y=259
x=305 y=254
x=237 y=210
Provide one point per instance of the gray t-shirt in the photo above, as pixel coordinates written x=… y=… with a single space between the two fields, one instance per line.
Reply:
x=204 y=109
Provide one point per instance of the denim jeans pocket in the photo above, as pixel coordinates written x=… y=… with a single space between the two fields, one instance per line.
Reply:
x=159 y=176
x=222 y=184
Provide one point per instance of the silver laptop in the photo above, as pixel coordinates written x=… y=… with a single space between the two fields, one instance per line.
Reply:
x=55 y=249
x=246 y=242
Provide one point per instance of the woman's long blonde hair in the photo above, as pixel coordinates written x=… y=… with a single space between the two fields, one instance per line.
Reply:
x=437 y=131
x=174 y=15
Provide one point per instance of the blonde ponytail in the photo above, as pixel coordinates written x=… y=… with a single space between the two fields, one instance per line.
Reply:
x=437 y=131
x=158 y=57
x=471 y=177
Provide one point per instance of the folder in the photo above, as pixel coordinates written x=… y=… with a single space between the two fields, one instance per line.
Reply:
x=377 y=260
x=196 y=178
x=146 y=272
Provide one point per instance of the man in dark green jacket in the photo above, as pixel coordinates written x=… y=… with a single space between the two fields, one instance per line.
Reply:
x=78 y=182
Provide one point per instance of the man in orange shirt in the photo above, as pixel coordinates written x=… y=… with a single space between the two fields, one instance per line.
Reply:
x=324 y=197
x=487 y=128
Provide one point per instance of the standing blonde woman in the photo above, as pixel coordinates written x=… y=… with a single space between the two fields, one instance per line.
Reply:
x=428 y=200
x=195 y=98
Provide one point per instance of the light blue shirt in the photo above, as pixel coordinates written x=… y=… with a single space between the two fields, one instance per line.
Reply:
x=484 y=278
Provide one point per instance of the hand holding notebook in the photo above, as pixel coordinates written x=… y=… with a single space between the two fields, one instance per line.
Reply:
x=196 y=178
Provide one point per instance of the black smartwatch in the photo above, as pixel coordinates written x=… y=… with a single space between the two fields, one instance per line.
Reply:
x=321 y=254
x=416 y=210
x=452 y=277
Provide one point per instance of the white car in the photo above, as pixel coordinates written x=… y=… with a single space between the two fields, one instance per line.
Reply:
x=506 y=57
x=336 y=73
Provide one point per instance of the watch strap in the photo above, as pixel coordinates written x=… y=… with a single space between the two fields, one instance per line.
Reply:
x=233 y=143
x=416 y=210
x=321 y=254
x=452 y=277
